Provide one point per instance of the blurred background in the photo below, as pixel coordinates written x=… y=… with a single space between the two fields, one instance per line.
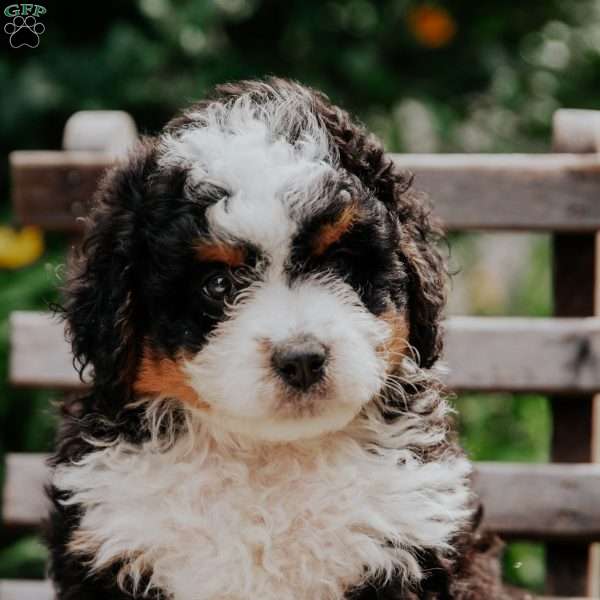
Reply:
x=459 y=76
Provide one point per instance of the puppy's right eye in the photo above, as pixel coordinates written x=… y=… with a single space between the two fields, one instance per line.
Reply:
x=218 y=287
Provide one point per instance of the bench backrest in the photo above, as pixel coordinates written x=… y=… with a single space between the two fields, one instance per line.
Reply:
x=558 y=193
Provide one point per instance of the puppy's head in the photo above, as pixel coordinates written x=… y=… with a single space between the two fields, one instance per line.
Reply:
x=262 y=262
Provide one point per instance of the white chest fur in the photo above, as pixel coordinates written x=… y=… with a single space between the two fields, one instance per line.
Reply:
x=221 y=521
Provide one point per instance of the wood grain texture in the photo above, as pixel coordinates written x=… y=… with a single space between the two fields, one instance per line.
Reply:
x=510 y=192
x=541 y=501
x=54 y=189
x=540 y=192
x=482 y=354
x=523 y=354
x=550 y=501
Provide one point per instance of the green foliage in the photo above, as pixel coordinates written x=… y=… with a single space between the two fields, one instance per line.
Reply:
x=26 y=419
x=490 y=85
x=25 y=416
x=507 y=427
x=23 y=559
x=524 y=565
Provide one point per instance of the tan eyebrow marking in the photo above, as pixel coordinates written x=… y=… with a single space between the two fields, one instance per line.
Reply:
x=330 y=233
x=231 y=255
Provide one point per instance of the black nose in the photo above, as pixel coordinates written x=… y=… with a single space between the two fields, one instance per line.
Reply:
x=300 y=363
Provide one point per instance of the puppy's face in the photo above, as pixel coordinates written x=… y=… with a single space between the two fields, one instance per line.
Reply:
x=265 y=282
x=286 y=304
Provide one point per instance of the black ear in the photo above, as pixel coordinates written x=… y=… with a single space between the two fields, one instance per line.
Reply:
x=362 y=154
x=101 y=300
x=420 y=238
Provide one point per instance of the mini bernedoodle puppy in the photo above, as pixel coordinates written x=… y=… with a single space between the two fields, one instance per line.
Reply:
x=258 y=301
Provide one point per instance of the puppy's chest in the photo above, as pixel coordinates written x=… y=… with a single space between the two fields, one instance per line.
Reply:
x=209 y=525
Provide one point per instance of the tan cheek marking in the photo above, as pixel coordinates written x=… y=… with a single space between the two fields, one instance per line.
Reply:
x=397 y=344
x=83 y=543
x=234 y=256
x=165 y=377
x=331 y=233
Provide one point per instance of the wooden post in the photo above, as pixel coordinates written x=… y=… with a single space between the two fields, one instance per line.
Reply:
x=112 y=132
x=574 y=283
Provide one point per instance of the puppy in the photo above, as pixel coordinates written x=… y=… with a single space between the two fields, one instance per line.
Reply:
x=258 y=301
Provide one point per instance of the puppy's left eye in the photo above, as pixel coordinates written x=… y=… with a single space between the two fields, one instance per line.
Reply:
x=217 y=287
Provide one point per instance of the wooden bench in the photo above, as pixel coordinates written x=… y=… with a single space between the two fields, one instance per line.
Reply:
x=556 y=503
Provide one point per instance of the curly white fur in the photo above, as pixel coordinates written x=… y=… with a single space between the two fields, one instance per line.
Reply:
x=233 y=373
x=272 y=183
x=214 y=516
x=212 y=511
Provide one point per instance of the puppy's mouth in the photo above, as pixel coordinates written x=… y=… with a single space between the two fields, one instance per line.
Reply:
x=292 y=423
x=291 y=404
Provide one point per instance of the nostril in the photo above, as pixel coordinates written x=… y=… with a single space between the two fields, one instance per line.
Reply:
x=315 y=362
x=300 y=363
x=290 y=370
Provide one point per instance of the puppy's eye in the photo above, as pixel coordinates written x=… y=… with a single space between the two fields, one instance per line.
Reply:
x=217 y=287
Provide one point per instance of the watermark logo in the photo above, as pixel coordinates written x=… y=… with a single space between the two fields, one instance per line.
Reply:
x=24 y=29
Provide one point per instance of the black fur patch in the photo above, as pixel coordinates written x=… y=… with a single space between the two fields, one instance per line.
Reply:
x=136 y=281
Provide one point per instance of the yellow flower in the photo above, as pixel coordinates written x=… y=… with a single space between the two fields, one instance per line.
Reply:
x=20 y=248
x=432 y=26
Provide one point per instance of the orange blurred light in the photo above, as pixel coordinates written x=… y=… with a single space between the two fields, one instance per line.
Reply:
x=432 y=26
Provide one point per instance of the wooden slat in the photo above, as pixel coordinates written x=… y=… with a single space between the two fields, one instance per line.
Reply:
x=470 y=191
x=483 y=353
x=39 y=354
x=510 y=191
x=54 y=189
x=42 y=590
x=549 y=501
x=25 y=590
x=24 y=502
x=523 y=354
x=545 y=501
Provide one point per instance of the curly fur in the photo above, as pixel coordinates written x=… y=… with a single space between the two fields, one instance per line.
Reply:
x=201 y=488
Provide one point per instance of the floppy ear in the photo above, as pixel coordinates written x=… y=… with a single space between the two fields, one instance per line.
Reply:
x=101 y=304
x=420 y=236
x=362 y=154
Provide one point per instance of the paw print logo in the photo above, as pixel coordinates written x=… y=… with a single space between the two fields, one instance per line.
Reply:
x=24 y=31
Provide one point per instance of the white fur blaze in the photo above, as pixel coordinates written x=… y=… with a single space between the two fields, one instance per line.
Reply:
x=217 y=519
x=233 y=371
